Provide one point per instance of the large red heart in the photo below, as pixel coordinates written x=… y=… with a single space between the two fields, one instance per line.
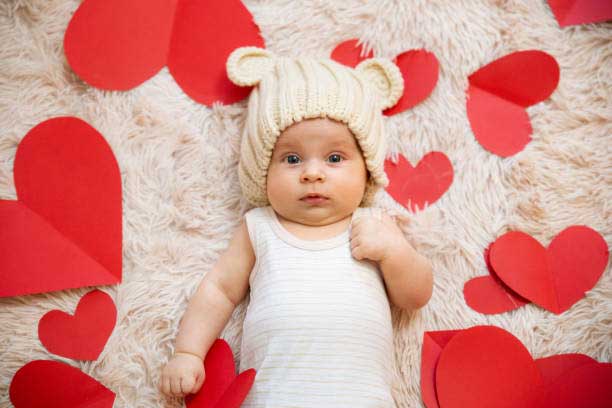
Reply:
x=221 y=388
x=118 y=44
x=414 y=187
x=498 y=94
x=553 y=278
x=52 y=384
x=64 y=231
x=568 y=380
x=84 y=335
x=419 y=70
x=485 y=366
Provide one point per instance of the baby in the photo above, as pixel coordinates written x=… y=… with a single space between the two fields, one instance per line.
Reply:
x=322 y=266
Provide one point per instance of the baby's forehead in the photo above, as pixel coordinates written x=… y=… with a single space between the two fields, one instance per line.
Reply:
x=338 y=134
x=285 y=141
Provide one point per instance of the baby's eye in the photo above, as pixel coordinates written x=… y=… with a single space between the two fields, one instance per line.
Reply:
x=292 y=159
x=335 y=158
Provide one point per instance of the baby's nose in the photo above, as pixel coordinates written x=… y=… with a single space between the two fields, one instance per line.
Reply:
x=312 y=176
x=312 y=172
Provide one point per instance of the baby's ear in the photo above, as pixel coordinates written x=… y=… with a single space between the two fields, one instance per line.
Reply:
x=386 y=77
x=246 y=66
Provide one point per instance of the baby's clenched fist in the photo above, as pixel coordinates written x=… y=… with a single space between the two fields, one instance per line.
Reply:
x=184 y=374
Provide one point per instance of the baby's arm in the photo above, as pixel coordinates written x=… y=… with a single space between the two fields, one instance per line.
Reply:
x=209 y=310
x=407 y=274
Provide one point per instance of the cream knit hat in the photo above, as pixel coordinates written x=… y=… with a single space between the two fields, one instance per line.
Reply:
x=290 y=90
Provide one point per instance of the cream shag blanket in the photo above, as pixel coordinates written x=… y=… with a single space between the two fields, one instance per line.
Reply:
x=181 y=198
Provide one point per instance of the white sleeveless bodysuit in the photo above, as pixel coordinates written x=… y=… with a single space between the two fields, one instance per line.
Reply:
x=318 y=325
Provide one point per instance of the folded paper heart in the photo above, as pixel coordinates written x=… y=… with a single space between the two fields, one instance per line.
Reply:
x=554 y=278
x=64 y=230
x=485 y=366
x=52 y=384
x=433 y=344
x=572 y=12
x=415 y=187
x=221 y=388
x=490 y=295
x=419 y=70
x=498 y=94
x=84 y=335
x=117 y=44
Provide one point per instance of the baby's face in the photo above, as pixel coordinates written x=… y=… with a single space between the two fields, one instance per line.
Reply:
x=319 y=156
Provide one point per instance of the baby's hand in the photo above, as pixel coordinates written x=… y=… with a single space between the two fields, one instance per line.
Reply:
x=374 y=239
x=184 y=374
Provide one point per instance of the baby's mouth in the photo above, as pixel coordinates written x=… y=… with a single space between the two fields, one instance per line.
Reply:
x=314 y=198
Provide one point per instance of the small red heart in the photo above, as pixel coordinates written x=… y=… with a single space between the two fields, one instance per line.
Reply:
x=485 y=366
x=419 y=70
x=553 y=278
x=117 y=44
x=52 y=384
x=221 y=388
x=489 y=294
x=84 y=335
x=498 y=94
x=64 y=231
x=414 y=187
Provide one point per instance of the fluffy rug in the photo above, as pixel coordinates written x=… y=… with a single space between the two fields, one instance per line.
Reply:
x=181 y=198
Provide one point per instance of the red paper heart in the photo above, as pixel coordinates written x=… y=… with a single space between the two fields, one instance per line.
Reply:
x=486 y=366
x=117 y=44
x=572 y=12
x=65 y=229
x=420 y=72
x=433 y=344
x=419 y=69
x=567 y=380
x=498 y=94
x=489 y=294
x=51 y=384
x=221 y=388
x=553 y=278
x=414 y=187
x=350 y=53
x=84 y=335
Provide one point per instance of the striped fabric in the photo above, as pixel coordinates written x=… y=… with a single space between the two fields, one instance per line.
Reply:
x=318 y=326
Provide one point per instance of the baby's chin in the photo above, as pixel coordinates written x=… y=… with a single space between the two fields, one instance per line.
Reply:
x=315 y=215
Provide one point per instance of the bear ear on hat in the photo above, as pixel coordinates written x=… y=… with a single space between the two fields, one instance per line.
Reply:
x=386 y=78
x=246 y=66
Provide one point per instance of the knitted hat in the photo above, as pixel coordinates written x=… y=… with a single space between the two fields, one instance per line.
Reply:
x=288 y=90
